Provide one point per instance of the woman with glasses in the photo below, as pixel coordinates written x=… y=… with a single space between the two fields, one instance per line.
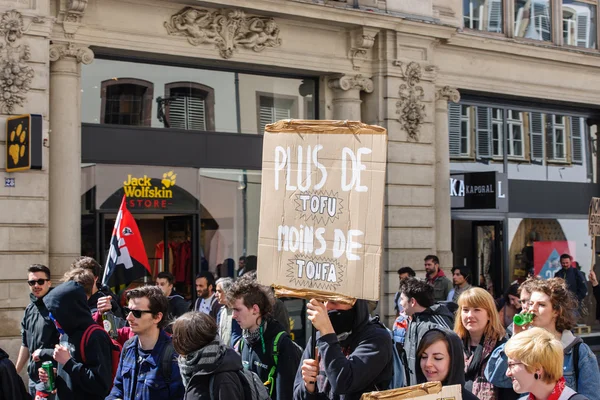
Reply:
x=534 y=365
x=440 y=358
x=479 y=327
x=554 y=308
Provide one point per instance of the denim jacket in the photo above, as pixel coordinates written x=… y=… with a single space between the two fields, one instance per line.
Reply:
x=150 y=384
x=588 y=382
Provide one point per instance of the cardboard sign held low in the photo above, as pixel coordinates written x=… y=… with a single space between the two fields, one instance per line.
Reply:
x=425 y=391
x=321 y=213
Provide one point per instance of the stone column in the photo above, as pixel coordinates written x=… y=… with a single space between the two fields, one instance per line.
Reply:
x=65 y=153
x=346 y=96
x=443 y=227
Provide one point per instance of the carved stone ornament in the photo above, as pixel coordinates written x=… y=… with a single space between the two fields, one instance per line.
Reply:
x=448 y=94
x=82 y=54
x=70 y=15
x=361 y=39
x=15 y=74
x=411 y=107
x=352 y=82
x=226 y=29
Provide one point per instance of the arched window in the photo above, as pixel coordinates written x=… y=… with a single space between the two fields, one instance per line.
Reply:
x=190 y=106
x=127 y=101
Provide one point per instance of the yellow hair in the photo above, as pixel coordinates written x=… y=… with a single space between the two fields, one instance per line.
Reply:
x=479 y=298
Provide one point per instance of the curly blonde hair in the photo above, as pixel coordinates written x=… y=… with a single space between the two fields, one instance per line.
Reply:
x=562 y=300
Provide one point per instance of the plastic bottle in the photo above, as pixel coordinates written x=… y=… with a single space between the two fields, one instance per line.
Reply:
x=523 y=319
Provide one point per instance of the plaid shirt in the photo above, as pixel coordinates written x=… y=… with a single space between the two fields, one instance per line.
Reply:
x=145 y=376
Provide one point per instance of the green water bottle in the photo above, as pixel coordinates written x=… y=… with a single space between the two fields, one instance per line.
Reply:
x=523 y=319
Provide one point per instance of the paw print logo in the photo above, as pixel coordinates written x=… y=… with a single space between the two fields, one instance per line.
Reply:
x=16 y=147
x=168 y=179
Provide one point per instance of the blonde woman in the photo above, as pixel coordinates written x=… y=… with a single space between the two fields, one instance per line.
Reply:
x=479 y=327
x=535 y=359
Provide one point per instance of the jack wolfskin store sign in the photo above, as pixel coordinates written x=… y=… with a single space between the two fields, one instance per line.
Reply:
x=147 y=188
x=478 y=191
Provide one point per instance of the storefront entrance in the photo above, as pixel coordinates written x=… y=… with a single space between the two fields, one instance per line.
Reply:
x=479 y=245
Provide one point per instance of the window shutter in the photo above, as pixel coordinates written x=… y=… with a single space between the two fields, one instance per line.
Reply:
x=550 y=136
x=196 y=113
x=177 y=114
x=265 y=117
x=484 y=132
x=536 y=136
x=495 y=16
x=187 y=112
x=454 y=112
x=281 y=113
x=583 y=31
x=576 y=140
x=542 y=21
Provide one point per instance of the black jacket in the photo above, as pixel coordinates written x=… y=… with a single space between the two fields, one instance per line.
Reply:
x=360 y=364
x=177 y=305
x=456 y=375
x=226 y=382
x=254 y=359
x=38 y=332
x=437 y=316
x=575 y=281
x=75 y=380
x=11 y=385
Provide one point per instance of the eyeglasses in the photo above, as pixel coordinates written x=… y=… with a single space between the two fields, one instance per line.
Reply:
x=136 y=313
x=512 y=365
x=40 y=282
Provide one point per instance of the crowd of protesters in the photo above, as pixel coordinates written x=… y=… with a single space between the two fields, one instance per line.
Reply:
x=234 y=342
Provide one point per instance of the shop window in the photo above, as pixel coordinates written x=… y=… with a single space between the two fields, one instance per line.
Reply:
x=577 y=134
x=555 y=138
x=272 y=108
x=533 y=19
x=459 y=130
x=190 y=106
x=497 y=136
x=579 y=24
x=536 y=136
x=514 y=124
x=483 y=15
x=127 y=101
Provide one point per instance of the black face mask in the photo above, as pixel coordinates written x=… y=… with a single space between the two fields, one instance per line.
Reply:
x=342 y=320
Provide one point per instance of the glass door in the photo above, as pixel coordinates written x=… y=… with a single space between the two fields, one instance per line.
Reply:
x=487 y=244
x=180 y=256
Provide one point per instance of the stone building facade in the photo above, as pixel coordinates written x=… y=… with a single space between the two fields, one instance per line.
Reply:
x=393 y=63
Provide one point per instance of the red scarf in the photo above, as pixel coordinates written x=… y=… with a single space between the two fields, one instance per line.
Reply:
x=556 y=392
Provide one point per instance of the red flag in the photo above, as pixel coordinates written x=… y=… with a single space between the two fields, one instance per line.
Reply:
x=127 y=259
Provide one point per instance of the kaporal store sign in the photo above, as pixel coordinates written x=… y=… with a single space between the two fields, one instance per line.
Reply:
x=479 y=190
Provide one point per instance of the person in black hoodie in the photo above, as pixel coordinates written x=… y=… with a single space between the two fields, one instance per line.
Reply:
x=11 y=385
x=38 y=334
x=441 y=359
x=262 y=337
x=205 y=363
x=355 y=353
x=76 y=380
x=177 y=304
x=98 y=291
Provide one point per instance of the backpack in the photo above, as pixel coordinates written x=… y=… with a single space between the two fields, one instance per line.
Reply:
x=115 y=348
x=399 y=378
x=275 y=353
x=254 y=389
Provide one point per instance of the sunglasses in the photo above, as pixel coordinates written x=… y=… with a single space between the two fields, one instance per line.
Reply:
x=38 y=281
x=136 y=313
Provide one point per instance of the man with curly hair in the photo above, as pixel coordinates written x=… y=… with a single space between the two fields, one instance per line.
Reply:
x=265 y=347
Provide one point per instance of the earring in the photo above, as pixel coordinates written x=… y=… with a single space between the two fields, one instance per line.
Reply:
x=536 y=376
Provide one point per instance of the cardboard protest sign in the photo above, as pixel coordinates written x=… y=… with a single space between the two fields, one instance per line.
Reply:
x=321 y=213
x=425 y=391
x=594 y=217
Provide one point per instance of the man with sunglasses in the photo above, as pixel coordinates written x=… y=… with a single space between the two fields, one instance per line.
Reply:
x=148 y=367
x=38 y=334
